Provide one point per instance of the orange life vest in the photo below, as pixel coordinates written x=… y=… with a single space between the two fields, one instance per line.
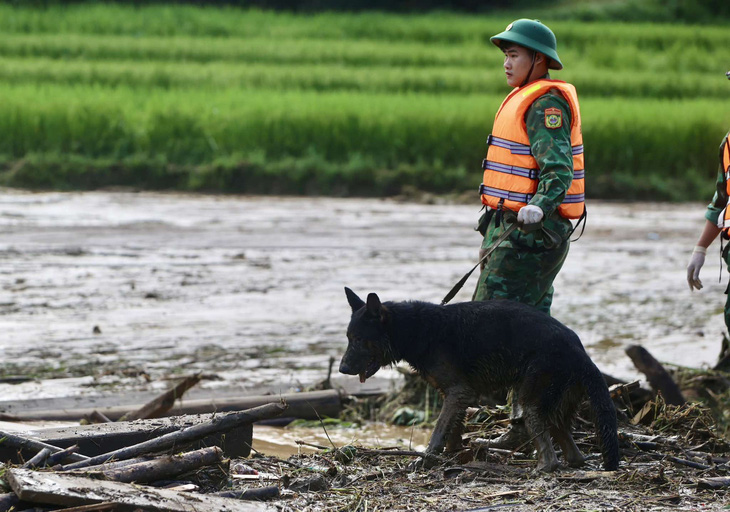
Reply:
x=511 y=173
x=726 y=170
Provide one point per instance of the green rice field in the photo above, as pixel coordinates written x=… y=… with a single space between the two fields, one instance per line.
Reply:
x=254 y=101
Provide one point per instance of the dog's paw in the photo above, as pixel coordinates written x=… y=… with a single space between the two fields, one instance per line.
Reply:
x=423 y=463
x=416 y=465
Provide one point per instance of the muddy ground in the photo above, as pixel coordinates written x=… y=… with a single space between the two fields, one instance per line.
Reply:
x=249 y=290
x=110 y=295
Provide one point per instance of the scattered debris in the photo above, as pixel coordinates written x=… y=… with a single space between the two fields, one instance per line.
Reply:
x=674 y=457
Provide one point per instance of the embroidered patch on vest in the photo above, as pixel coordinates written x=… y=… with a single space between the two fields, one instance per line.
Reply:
x=553 y=118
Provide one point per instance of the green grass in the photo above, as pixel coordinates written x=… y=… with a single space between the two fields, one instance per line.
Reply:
x=252 y=101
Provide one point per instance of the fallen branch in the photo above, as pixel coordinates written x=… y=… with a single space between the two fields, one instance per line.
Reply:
x=222 y=423
x=163 y=403
x=19 y=442
x=38 y=459
x=62 y=456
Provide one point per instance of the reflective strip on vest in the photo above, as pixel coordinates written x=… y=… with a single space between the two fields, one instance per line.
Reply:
x=505 y=194
x=574 y=198
x=511 y=169
x=514 y=147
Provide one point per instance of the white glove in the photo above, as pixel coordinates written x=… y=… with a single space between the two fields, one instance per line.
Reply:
x=693 y=269
x=530 y=214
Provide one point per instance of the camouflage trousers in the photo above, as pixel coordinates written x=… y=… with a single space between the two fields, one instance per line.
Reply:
x=520 y=274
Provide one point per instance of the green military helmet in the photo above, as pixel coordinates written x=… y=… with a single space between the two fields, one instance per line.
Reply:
x=534 y=35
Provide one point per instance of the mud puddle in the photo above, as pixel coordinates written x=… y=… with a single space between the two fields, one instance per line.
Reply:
x=287 y=441
x=111 y=292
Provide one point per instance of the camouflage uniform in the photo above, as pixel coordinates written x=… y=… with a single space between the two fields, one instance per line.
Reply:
x=524 y=266
x=718 y=203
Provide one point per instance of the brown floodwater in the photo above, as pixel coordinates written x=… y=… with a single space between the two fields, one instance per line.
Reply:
x=111 y=292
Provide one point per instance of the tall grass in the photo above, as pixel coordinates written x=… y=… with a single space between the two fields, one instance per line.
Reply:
x=260 y=101
x=594 y=82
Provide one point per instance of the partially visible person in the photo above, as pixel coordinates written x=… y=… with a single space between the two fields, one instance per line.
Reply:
x=533 y=176
x=718 y=221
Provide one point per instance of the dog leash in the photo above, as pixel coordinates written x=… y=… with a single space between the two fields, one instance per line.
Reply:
x=484 y=258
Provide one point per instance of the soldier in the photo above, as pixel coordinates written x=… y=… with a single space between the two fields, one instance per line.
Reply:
x=718 y=220
x=533 y=175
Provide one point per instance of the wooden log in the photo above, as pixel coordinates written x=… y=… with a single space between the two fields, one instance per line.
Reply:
x=658 y=377
x=20 y=443
x=163 y=403
x=715 y=482
x=102 y=438
x=259 y=494
x=221 y=423
x=310 y=405
x=39 y=459
x=165 y=467
x=69 y=490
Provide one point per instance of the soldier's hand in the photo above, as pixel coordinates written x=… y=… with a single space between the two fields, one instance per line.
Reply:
x=530 y=214
x=693 y=269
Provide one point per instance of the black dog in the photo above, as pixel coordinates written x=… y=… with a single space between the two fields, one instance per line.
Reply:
x=473 y=347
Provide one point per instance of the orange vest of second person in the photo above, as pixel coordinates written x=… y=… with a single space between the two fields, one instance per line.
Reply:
x=511 y=173
x=726 y=170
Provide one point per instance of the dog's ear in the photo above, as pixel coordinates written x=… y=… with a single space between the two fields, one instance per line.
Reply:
x=355 y=301
x=374 y=304
x=376 y=309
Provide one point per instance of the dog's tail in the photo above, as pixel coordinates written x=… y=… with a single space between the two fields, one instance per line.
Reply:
x=605 y=421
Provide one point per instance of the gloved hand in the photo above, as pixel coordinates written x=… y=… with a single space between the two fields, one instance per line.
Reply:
x=530 y=214
x=693 y=269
